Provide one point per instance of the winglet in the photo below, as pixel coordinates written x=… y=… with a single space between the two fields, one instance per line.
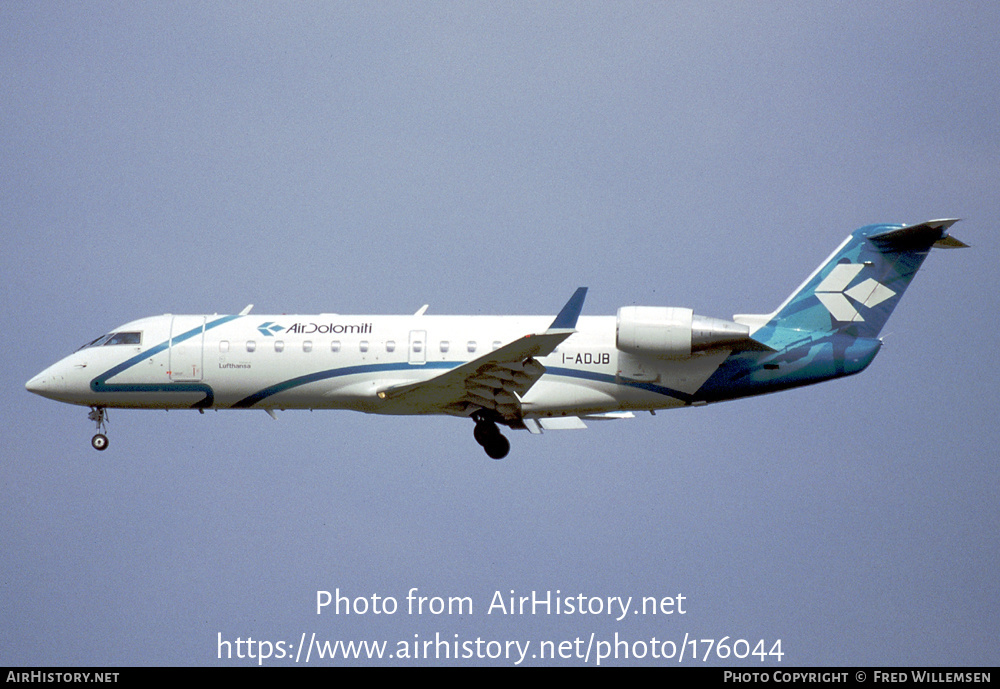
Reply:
x=566 y=320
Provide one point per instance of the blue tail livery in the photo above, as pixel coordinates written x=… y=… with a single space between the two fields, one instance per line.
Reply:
x=536 y=373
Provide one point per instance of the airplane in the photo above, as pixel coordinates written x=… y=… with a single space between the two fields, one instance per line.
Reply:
x=525 y=372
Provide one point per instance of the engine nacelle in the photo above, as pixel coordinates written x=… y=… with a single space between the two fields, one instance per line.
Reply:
x=670 y=332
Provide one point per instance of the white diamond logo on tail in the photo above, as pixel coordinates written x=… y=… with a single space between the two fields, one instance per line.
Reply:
x=840 y=277
x=839 y=307
x=870 y=293
x=832 y=290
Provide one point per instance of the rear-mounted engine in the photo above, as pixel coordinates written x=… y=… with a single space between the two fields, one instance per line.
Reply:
x=670 y=332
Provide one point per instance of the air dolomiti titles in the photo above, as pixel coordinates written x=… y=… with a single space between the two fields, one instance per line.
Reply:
x=327 y=328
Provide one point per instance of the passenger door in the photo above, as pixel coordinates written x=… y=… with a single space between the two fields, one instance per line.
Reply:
x=187 y=340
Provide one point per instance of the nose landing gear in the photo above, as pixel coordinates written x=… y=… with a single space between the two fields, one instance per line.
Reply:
x=99 y=416
x=488 y=435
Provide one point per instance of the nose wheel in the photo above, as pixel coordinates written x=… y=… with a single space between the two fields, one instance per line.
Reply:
x=99 y=415
x=489 y=436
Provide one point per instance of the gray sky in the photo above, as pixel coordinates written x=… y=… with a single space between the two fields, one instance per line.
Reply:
x=490 y=158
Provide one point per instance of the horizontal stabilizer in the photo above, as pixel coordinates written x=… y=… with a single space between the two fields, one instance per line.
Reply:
x=925 y=234
x=950 y=243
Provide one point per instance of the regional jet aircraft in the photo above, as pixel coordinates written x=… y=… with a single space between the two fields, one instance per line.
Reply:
x=525 y=372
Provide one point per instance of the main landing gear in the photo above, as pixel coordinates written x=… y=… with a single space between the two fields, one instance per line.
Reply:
x=488 y=435
x=99 y=415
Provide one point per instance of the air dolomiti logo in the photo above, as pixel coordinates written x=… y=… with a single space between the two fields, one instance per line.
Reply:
x=833 y=292
x=270 y=328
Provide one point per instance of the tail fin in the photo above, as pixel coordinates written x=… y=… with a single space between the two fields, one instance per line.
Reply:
x=856 y=289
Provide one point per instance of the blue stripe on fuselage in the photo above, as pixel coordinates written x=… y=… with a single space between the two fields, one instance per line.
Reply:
x=260 y=395
x=100 y=384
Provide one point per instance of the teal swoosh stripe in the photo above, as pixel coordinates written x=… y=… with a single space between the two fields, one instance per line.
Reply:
x=100 y=384
x=606 y=378
x=260 y=395
x=205 y=402
x=263 y=394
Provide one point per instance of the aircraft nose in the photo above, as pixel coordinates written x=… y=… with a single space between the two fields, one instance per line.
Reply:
x=38 y=385
x=48 y=383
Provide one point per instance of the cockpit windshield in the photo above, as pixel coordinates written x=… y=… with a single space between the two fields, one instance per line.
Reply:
x=123 y=338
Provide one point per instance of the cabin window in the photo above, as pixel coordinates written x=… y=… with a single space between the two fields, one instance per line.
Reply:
x=251 y=346
x=223 y=346
x=418 y=346
x=472 y=345
x=390 y=346
x=363 y=345
x=307 y=346
x=496 y=345
x=444 y=345
x=279 y=345
x=335 y=346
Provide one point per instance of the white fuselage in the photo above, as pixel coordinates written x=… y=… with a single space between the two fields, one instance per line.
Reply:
x=330 y=361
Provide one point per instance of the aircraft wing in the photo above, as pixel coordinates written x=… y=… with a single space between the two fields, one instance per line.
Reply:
x=496 y=381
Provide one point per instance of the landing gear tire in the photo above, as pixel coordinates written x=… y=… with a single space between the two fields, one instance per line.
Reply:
x=484 y=433
x=488 y=435
x=99 y=415
x=497 y=447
